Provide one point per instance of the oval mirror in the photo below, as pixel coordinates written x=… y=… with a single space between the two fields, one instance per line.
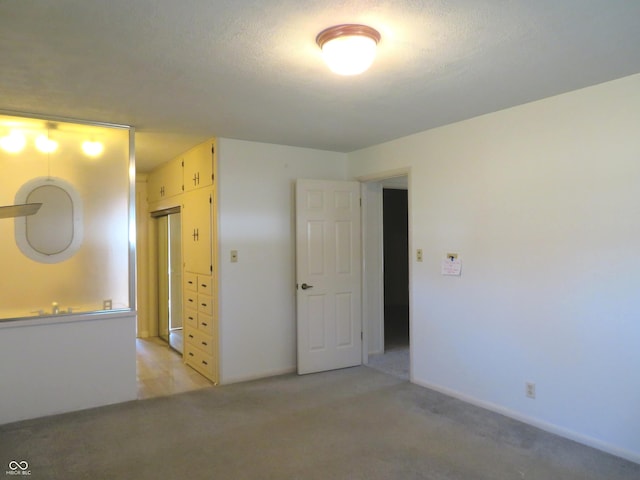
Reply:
x=54 y=233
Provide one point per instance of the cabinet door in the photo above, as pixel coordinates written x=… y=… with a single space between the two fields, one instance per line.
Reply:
x=165 y=181
x=198 y=166
x=197 y=224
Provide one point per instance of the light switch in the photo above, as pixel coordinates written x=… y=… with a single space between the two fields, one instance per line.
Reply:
x=234 y=256
x=419 y=255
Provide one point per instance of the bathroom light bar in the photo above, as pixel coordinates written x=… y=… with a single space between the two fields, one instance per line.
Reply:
x=16 y=141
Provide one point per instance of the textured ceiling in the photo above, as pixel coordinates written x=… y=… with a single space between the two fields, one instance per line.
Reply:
x=181 y=71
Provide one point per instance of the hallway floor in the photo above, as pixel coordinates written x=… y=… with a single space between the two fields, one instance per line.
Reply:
x=161 y=371
x=395 y=359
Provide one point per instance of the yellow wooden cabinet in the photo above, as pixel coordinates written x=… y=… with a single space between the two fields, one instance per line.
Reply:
x=165 y=181
x=198 y=166
x=197 y=229
x=201 y=326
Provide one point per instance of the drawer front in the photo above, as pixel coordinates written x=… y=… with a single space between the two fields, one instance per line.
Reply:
x=190 y=282
x=200 y=340
x=191 y=318
x=199 y=361
x=191 y=300
x=205 y=304
x=205 y=285
x=205 y=323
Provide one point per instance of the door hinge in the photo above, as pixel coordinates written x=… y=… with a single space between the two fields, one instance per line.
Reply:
x=210 y=199
x=213 y=149
x=361 y=201
x=182 y=163
x=361 y=335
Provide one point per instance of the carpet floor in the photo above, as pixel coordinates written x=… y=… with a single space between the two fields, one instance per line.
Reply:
x=355 y=423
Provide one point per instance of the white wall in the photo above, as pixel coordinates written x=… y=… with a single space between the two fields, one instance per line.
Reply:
x=143 y=260
x=76 y=363
x=256 y=218
x=372 y=252
x=542 y=203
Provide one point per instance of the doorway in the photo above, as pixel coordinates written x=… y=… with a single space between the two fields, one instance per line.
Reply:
x=386 y=287
x=169 y=264
x=396 y=268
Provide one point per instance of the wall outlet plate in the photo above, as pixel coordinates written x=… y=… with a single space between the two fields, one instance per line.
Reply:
x=530 y=389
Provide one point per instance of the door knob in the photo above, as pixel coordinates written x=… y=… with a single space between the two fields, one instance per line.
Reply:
x=304 y=286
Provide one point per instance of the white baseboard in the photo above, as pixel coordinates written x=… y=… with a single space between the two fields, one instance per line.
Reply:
x=248 y=378
x=546 y=426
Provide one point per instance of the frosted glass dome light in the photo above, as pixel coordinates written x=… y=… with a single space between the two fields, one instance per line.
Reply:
x=348 y=49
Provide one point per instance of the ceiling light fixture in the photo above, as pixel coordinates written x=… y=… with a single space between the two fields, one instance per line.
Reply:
x=348 y=49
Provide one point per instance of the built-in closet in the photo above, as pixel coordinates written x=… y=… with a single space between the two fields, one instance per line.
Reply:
x=182 y=203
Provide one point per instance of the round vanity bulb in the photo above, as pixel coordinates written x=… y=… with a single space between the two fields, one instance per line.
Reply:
x=13 y=143
x=92 y=149
x=46 y=145
x=350 y=55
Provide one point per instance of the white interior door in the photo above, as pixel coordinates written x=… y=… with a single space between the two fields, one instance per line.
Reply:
x=328 y=252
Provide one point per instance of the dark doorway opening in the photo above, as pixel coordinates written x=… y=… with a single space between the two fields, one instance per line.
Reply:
x=396 y=269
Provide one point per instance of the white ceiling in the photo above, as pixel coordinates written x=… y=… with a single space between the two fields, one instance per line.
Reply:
x=181 y=71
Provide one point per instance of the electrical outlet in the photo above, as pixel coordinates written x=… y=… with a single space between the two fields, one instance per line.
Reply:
x=530 y=389
x=419 y=255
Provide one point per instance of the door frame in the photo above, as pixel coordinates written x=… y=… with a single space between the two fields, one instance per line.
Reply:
x=372 y=260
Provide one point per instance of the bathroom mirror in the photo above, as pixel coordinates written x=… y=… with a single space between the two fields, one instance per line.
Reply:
x=54 y=233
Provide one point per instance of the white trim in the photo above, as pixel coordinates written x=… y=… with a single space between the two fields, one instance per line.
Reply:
x=379 y=176
x=64 y=318
x=259 y=376
x=379 y=320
